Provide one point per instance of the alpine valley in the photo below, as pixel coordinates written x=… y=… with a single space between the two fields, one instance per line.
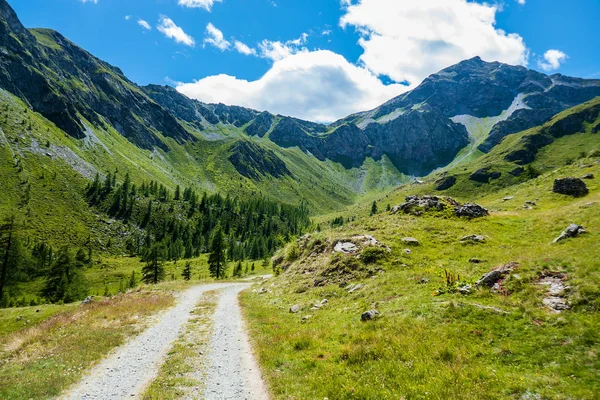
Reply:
x=104 y=183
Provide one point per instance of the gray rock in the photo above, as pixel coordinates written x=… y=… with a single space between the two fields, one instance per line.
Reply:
x=588 y=176
x=570 y=186
x=356 y=288
x=345 y=247
x=369 y=315
x=471 y=210
x=294 y=309
x=396 y=209
x=555 y=303
x=407 y=251
x=410 y=241
x=306 y=317
x=491 y=278
x=88 y=300
x=508 y=198
x=473 y=239
x=572 y=231
x=475 y=260
x=465 y=289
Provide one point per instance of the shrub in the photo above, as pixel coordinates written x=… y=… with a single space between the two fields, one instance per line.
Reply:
x=293 y=253
x=371 y=255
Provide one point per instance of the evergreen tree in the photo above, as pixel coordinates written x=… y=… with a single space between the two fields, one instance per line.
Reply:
x=216 y=259
x=132 y=284
x=154 y=270
x=11 y=257
x=374 y=208
x=253 y=267
x=177 y=193
x=237 y=271
x=187 y=271
x=65 y=281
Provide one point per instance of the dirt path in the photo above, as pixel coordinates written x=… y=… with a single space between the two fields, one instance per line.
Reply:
x=232 y=371
x=127 y=371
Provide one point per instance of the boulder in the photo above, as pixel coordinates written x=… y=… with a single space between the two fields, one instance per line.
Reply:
x=471 y=210
x=88 y=300
x=588 y=176
x=407 y=251
x=369 y=315
x=475 y=260
x=422 y=203
x=354 y=288
x=473 y=239
x=491 y=278
x=508 y=198
x=294 y=309
x=572 y=230
x=345 y=247
x=410 y=241
x=570 y=186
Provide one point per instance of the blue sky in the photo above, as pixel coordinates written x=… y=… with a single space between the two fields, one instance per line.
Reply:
x=318 y=59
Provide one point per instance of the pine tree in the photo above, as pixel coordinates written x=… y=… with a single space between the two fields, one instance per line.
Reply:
x=11 y=256
x=374 y=208
x=64 y=281
x=177 y=193
x=216 y=259
x=237 y=271
x=187 y=271
x=132 y=284
x=154 y=270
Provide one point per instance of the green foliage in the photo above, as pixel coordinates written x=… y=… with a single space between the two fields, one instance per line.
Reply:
x=187 y=271
x=371 y=255
x=65 y=281
x=374 y=208
x=293 y=252
x=216 y=259
x=154 y=270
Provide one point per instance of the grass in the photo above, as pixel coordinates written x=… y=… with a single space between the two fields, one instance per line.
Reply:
x=182 y=373
x=476 y=346
x=43 y=359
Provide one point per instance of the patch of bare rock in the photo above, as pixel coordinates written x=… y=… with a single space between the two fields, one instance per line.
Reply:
x=418 y=205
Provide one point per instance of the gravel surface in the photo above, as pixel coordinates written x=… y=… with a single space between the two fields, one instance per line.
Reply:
x=127 y=371
x=232 y=369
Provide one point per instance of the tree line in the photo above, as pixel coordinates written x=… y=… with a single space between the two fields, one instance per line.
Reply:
x=164 y=226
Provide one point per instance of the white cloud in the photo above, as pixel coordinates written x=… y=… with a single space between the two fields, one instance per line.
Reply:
x=172 y=31
x=89 y=1
x=554 y=59
x=276 y=50
x=318 y=85
x=216 y=38
x=244 y=48
x=206 y=4
x=127 y=17
x=408 y=40
x=521 y=2
x=144 y=24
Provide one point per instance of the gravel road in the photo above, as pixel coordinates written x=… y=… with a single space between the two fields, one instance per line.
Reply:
x=232 y=370
x=126 y=372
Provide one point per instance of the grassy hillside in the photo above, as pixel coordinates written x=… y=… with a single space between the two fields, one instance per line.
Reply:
x=429 y=339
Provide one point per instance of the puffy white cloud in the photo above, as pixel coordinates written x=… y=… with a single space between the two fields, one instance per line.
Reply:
x=206 y=4
x=89 y=1
x=172 y=31
x=553 y=60
x=215 y=38
x=521 y=2
x=276 y=50
x=243 y=48
x=408 y=40
x=318 y=85
x=144 y=24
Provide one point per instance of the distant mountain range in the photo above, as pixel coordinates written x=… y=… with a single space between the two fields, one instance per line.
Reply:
x=419 y=131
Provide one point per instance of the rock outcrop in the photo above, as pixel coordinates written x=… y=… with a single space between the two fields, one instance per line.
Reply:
x=570 y=186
